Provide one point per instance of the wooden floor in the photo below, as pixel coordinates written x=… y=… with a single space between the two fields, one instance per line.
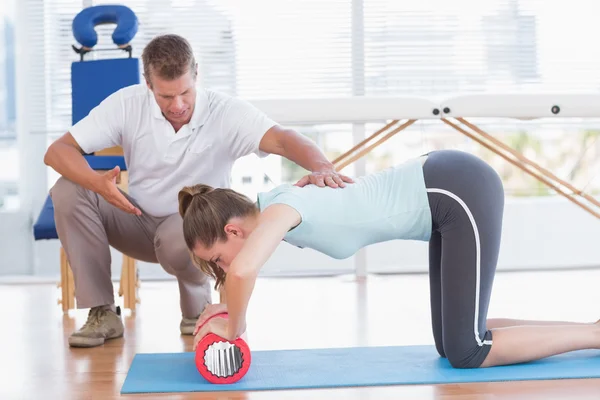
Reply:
x=285 y=313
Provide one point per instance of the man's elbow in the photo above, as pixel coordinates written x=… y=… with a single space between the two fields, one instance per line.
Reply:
x=274 y=140
x=289 y=137
x=56 y=150
x=52 y=154
x=48 y=155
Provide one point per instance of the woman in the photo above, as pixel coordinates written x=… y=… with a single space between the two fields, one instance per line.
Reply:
x=450 y=198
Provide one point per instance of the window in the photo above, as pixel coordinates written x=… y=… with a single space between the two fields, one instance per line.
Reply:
x=440 y=48
x=328 y=48
x=9 y=157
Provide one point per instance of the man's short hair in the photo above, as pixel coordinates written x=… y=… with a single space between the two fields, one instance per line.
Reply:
x=168 y=56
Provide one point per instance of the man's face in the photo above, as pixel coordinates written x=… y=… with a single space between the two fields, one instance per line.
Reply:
x=176 y=98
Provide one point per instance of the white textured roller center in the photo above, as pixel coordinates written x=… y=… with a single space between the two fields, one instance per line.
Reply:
x=223 y=359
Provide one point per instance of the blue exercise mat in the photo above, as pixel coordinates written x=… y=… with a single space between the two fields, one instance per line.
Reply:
x=344 y=367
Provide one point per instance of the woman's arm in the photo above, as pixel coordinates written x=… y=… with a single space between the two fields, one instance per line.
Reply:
x=222 y=295
x=274 y=222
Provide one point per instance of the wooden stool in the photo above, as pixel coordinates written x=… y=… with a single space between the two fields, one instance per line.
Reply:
x=66 y=283
x=128 y=285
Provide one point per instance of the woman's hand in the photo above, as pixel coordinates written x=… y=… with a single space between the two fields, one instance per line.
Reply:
x=218 y=326
x=209 y=311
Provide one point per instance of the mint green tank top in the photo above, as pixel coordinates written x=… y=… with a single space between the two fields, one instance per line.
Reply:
x=388 y=205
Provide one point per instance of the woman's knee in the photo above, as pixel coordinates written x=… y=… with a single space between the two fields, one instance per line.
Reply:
x=438 y=338
x=440 y=349
x=464 y=355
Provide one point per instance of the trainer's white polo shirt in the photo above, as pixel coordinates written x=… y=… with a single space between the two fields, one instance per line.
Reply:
x=160 y=161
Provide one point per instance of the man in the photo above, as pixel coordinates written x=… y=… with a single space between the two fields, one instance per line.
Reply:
x=172 y=135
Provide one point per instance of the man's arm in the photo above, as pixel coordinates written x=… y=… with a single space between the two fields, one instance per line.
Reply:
x=301 y=150
x=66 y=157
x=252 y=131
x=100 y=129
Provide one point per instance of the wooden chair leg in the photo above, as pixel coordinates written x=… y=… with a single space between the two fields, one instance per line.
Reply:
x=123 y=280
x=129 y=283
x=67 y=283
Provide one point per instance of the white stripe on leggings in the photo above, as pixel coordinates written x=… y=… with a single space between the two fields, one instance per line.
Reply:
x=477 y=261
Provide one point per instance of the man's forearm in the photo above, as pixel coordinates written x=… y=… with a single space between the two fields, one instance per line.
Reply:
x=304 y=152
x=70 y=163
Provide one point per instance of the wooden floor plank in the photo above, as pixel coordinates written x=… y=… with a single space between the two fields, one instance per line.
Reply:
x=285 y=313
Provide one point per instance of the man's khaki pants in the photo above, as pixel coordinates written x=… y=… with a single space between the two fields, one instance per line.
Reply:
x=87 y=225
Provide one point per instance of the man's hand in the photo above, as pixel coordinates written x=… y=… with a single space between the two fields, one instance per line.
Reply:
x=218 y=326
x=328 y=177
x=209 y=311
x=107 y=188
x=304 y=152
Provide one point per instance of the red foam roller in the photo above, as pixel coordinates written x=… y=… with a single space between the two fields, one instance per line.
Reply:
x=204 y=345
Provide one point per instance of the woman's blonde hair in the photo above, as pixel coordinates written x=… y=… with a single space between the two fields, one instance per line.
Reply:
x=205 y=211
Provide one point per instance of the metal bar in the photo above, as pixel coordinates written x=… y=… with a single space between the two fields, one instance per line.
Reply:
x=360 y=169
x=544 y=171
x=521 y=166
x=362 y=143
x=371 y=147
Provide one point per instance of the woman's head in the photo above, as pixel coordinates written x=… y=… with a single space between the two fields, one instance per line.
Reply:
x=215 y=226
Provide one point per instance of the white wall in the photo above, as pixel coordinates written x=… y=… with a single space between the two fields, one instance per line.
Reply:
x=538 y=233
x=15 y=244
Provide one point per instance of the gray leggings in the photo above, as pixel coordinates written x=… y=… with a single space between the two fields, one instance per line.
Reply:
x=466 y=197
